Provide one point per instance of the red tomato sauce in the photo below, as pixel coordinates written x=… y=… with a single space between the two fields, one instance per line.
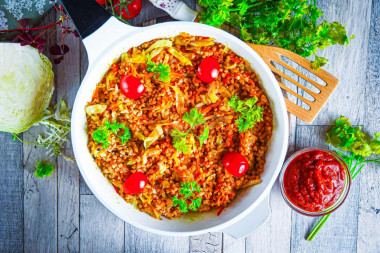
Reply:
x=314 y=180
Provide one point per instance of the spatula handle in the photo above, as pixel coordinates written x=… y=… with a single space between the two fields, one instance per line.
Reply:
x=87 y=15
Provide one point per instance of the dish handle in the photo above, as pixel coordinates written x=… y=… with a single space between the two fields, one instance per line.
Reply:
x=95 y=25
x=253 y=221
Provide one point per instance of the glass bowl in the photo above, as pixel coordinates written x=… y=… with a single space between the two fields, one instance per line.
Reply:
x=342 y=197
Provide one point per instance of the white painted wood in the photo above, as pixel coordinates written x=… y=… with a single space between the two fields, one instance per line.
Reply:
x=369 y=210
x=232 y=245
x=68 y=173
x=369 y=206
x=68 y=206
x=100 y=230
x=40 y=195
x=11 y=197
x=210 y=242
x=139 y=241
x=84 y=190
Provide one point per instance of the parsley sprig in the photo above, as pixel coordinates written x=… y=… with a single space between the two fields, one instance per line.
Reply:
x=43 y=169
x=194 y=118
x=102 y=134
x=288 y=24
x=187 y=190
x=250 y=113
x=161 y=71
x=357 y=146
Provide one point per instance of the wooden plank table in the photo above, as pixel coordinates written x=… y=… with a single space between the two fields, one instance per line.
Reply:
x=61 y=214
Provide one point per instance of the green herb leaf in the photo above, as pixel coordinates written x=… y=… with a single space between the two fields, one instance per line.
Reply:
x=194 y=117
x=126 y=136
x=161 y=71
x=182 y=146
x=102 y=134
x=178 y=135
x=43 y=169
x=181 y=203
x=352 y=139
x=203 y=137
x=187 y=190
x=318 y=62
x=195 y=203
x=250 y=113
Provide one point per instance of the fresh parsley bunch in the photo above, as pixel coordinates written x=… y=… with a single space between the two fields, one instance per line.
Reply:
x=288 y=24
x=358 y=146
x=102 y=134
x=194 y=118
x=187 y=189
x=250 y=113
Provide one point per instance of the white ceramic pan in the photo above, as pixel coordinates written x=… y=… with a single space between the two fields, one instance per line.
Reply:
x=105 y=38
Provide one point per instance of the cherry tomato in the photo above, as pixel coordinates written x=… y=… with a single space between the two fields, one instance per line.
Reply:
x=134 y=8
x=131 y=87
x=235 y=163
x=208 y=70
x=101 y=2
x=135 y=183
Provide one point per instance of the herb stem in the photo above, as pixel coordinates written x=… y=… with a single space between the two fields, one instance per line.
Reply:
x=316 y=229
x=31 y=28
x=357 y=172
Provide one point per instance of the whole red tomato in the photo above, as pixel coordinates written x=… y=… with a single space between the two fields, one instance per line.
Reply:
x=135 y=183
x=235 y=163
x=101 y=2
x=129 y=9
x=208 y=70
x=131 y=87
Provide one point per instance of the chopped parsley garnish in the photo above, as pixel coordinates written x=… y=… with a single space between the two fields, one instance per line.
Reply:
x=187 y=190
x=250 y=113
x=203 y=136
x=161 y=71
x=181 y=144
x=194 y=118
x=102 y=134
x=43 y=169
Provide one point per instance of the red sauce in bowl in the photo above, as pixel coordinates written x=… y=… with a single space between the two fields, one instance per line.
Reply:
x=314 y=180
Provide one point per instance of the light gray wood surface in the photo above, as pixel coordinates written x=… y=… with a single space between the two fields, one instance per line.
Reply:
x=61 y=214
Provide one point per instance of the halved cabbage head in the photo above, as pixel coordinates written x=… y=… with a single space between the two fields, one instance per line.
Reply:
x=26 y=86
